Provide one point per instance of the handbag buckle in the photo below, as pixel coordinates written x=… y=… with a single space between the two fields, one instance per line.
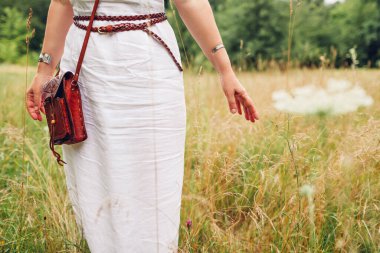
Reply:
x=73 y=84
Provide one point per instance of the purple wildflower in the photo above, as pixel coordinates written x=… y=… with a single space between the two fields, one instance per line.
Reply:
x=189 y=223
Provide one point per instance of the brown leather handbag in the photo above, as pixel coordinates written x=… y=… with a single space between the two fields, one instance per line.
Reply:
x=62 y=102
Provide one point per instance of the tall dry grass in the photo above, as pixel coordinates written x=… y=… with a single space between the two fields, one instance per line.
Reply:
x=242 y=180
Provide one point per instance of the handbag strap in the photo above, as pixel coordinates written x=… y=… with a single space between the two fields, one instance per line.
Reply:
x=85 y=42
x=74 y=81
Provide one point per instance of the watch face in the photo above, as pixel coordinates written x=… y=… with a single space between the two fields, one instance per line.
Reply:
x=44 y=58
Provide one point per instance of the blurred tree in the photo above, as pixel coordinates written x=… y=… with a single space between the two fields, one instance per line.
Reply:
x=313 y=34
x=253 y=30
x=12 y=35
x=39 y=7
x=357 y=23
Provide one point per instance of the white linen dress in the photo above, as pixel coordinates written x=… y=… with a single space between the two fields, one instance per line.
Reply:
x=125 y=181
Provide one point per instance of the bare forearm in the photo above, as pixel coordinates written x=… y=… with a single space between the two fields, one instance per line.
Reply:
x=199 y=19
x=58 y=23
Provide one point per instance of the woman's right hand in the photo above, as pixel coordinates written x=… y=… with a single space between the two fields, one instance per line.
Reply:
x=33 y=96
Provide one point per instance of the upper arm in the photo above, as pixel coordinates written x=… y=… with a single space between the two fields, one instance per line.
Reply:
x=66 y=4
x=181 y=3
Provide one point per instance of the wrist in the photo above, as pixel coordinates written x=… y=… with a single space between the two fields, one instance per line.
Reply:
x=45 y=69
x=221 y=62
x=227 y=71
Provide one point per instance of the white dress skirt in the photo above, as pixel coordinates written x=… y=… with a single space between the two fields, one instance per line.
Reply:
x=125 y=180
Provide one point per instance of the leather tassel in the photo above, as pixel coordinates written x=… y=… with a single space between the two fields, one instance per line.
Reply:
x=51 y=144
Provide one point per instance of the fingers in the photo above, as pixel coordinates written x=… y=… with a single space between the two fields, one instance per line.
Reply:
x=232 y=103
x=251 y=113
x=249 y=109
x=37 y=104
x=246 y=113
x=30 y=104
x=237 y=96
x=242 y=97
x=31 y=107
x=238 y=104
x=42 y=108
x=254 y=112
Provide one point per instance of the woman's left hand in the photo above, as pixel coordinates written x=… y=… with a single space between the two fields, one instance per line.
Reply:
x=237 y=96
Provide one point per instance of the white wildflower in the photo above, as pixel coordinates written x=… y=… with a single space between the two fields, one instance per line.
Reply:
x=336 y=85
x=339 y=97
x=307 y=190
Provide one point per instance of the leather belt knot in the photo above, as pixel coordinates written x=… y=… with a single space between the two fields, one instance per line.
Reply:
x=152 y=19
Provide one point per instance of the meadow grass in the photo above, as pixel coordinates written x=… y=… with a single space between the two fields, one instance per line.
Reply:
x=242 y=180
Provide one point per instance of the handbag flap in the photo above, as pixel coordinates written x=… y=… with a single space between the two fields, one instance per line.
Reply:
x=50 y=88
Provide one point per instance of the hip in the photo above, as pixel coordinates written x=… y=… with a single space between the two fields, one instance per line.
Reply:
x=119 y=47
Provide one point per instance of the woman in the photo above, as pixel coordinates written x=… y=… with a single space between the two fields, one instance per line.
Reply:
x=125 y=179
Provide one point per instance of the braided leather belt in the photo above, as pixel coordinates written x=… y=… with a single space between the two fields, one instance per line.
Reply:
x=152 y=19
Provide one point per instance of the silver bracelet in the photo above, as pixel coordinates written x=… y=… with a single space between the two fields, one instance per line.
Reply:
x=217 y=47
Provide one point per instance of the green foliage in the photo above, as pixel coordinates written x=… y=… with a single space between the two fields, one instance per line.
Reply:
x=12 y=35
x=333 y=30
x=40 y=8
x=253 y=30
x=313 y=36
x=359 y=23
x=255 y=33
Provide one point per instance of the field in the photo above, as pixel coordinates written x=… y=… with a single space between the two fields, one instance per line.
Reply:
x=286 y=183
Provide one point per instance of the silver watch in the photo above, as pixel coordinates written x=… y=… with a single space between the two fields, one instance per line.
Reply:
x=45 y=57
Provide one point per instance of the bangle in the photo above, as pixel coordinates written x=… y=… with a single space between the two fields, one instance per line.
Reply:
x=217 y=47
